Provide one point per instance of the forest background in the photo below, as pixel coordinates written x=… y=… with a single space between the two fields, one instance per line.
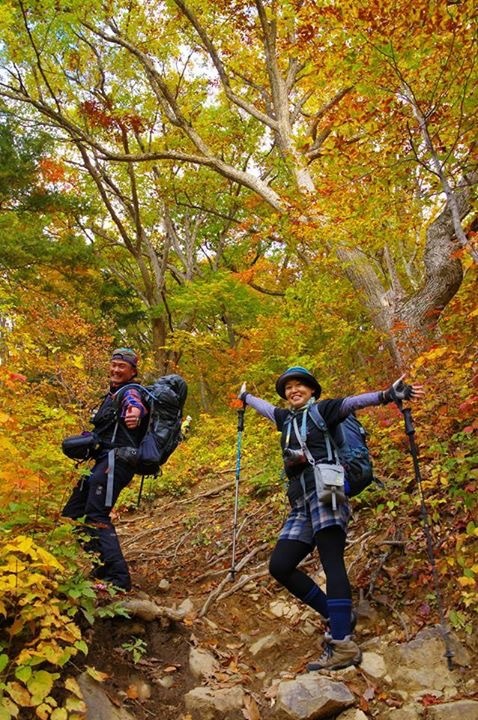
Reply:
x=231 y=188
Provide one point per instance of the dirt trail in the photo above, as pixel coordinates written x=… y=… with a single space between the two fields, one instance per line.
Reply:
x=181 y=550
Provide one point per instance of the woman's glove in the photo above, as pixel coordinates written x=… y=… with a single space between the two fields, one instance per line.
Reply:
x=400 y=391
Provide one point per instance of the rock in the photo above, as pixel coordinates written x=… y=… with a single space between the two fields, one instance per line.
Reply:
x=164 y=585
x=311 y=696
x=204 y=703
x=365 y=611
x=459 y=710
x=98 y=705
x=165 y=682
x=279 y=608
x=308 y=628
x=202 y=663
x=352 y=714
x=250 y=587
x=346 y=674
x=408 y=712
x=186 y=607
x=293 y=612
x=374 y=644
x=419 y=665
x=374 y=665
x=461 y=656
x=265 y=643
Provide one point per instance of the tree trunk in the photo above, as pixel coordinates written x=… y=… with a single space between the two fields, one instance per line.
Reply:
x=160 y=355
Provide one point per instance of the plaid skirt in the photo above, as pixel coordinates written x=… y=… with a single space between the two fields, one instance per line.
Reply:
x=308 y=515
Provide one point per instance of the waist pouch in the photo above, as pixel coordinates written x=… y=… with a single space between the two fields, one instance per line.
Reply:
x=329 y=482
x=81 y=447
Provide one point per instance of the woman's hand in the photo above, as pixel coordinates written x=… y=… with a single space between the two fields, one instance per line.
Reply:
x=399 y=391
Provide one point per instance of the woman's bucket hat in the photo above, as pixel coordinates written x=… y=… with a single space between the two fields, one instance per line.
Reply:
x=297 y=373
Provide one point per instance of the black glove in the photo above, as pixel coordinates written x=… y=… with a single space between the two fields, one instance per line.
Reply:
x=397 y=392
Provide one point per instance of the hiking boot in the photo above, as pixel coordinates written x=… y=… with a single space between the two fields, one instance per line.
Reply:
x=353 y=623
x=337 y=654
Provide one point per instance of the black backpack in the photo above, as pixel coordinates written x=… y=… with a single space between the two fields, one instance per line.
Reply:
x=349 y=440
x=165 y=399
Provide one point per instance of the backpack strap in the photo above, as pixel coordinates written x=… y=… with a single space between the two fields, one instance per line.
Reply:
x=302 y=442
x=111 y=465
x=319 y=422
x=111 y=471
x=302 y=436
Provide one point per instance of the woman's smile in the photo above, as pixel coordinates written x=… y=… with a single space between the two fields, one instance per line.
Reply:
x=296 y=393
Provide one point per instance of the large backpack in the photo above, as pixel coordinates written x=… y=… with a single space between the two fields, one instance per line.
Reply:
x=165 y=399
x=350 y=443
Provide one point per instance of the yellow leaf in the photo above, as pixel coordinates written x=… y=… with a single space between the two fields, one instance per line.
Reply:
x=59 y=714
x=72 y=703
x=466 y=581
x=8 y=709
x=96 y=674
x=23 y=544
x=43 y=711
x=50 y=651
x=13 y=565
x=49 y=559
x=72 y=685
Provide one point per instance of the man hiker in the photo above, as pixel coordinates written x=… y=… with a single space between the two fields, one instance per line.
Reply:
x=319 y=507
x=95 y=494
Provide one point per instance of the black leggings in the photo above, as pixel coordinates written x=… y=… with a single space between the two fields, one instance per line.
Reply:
x=287 y=554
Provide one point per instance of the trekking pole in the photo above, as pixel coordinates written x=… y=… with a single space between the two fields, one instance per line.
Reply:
x=410 y=431
x=240 y=430
x=140 y=491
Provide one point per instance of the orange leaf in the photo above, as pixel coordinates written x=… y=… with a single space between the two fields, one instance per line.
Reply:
x=132 y=692
x=235 y=403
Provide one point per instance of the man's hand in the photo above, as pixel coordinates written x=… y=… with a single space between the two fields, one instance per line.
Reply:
x=400 y=391
x=132 y=417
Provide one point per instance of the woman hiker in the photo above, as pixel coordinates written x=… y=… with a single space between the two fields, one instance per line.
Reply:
x=313 y=521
